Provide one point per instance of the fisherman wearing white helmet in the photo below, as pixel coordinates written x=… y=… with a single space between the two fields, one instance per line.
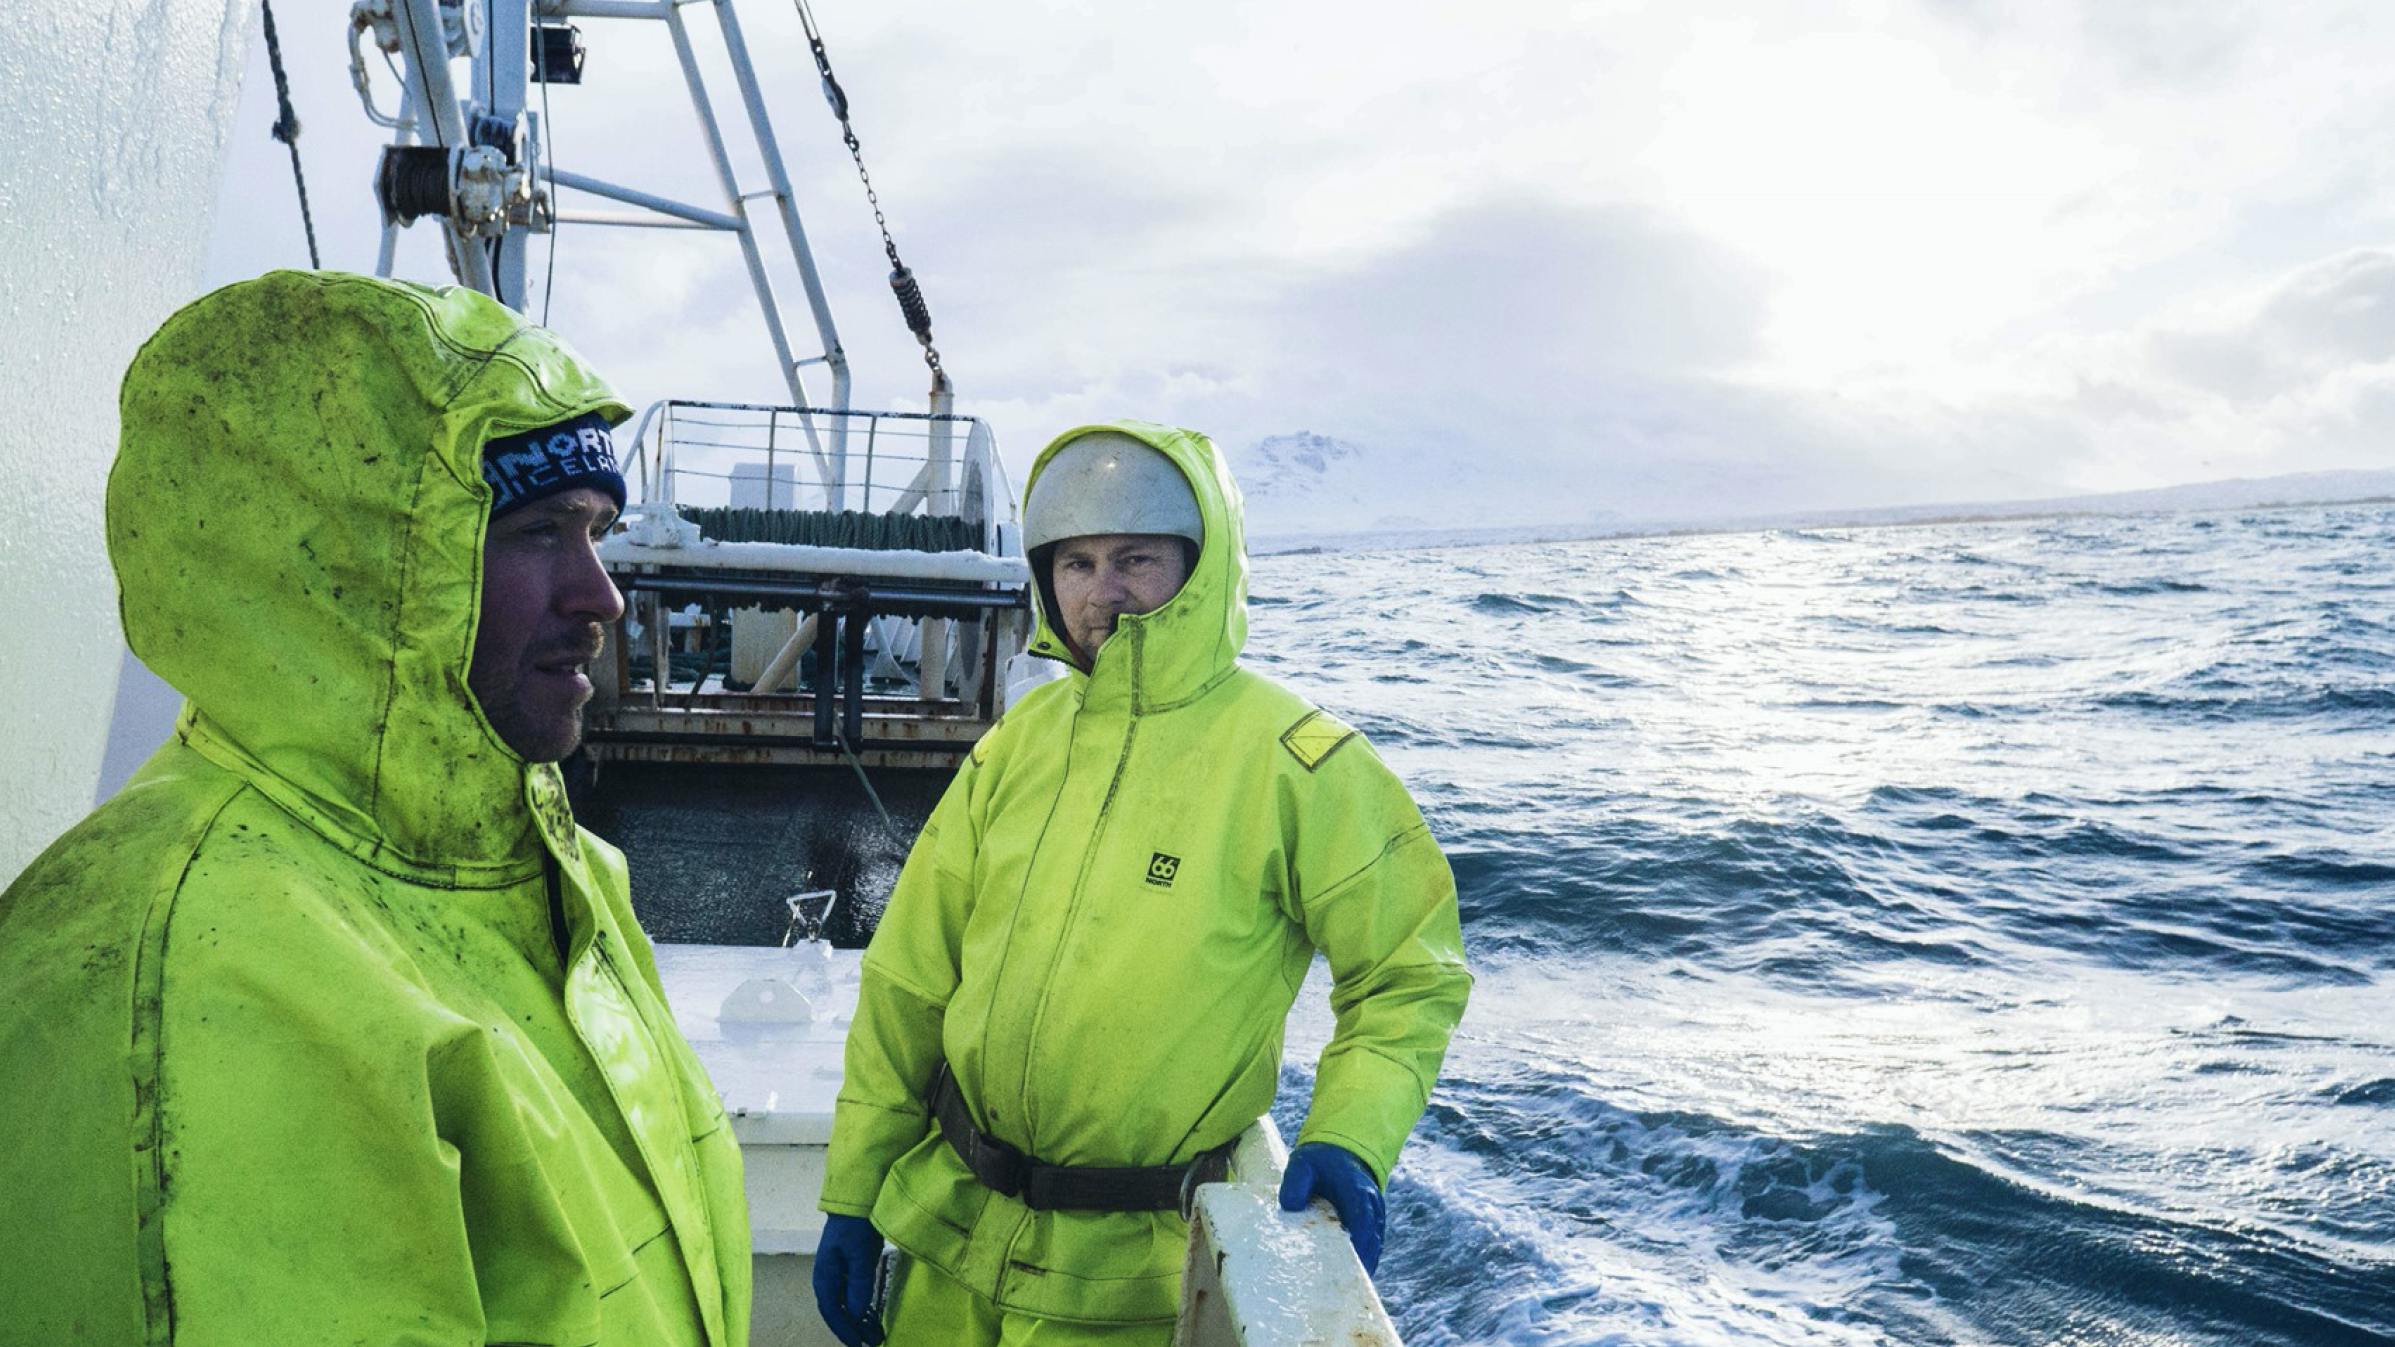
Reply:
x=1115 y=530
x=1074 y=1002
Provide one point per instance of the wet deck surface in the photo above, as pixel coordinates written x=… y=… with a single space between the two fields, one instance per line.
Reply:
x=714 y=851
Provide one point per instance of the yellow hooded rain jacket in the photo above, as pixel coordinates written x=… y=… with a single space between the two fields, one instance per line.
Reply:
x=293 y=1054
x=1102 y=930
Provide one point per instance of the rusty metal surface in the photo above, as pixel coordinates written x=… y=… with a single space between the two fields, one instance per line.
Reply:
x=781 y=755
x=803 y=704
x=629 y=722
x=807 y=592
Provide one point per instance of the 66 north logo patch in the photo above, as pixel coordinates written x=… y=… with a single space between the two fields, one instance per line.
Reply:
x=1162 y=868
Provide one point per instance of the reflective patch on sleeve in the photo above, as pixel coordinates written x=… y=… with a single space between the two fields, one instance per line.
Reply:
x=1315 y=737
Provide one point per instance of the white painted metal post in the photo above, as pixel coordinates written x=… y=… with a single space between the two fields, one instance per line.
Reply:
x=941 y=456
x=746 y=232
x=939 y=499
x=784 y=663
x=428 y=70
x=786 y=203
x=503 y=68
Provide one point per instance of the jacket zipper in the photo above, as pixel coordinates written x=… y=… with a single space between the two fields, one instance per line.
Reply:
x=1010 y=1266
x=1089 y=855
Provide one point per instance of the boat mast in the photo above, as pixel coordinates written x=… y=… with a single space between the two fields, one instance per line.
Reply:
x=477 y=165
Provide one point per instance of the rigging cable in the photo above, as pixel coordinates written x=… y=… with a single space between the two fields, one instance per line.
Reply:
x=911 y=304
x=286 y=129
x=548 y=155
x=490 y=98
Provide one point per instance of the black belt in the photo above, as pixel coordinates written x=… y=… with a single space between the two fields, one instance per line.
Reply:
x=1045 y=1187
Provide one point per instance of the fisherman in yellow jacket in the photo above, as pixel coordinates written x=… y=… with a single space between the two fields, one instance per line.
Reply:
x=331 y=1027
x=1075 y=1000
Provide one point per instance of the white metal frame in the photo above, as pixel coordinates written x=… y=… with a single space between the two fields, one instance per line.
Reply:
x=501 y=76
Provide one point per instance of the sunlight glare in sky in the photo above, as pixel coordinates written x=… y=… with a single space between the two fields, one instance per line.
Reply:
x=1898 y=213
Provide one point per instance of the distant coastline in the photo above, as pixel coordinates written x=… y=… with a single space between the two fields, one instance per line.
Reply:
x=2241 y=494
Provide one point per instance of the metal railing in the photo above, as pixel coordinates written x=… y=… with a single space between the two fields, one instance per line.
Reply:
x=757 y=456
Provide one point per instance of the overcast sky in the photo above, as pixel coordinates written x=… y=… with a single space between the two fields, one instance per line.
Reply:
x=1647 y=257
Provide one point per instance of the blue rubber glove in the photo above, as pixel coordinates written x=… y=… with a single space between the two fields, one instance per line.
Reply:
x=845 y=1260
x=1320 y=1169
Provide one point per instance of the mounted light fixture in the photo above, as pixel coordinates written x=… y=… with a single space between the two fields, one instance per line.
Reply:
x=556 y=53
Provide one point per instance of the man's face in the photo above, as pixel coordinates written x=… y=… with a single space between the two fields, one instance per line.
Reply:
x=545 y=600
x=1099 y=578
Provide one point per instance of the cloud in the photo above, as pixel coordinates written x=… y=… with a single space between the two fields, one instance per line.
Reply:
x=1695 y=255
x=1508 y=294
x=2338 y=310
x=2310 y=330
x=2297 y=374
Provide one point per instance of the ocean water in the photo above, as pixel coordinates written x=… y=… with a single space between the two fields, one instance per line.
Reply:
x=1976 y=934
x=1965 y=934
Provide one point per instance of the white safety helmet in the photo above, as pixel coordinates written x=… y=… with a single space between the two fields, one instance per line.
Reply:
x=1109 y=482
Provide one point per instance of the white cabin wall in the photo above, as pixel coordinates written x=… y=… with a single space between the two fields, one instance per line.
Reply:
x=114 y=118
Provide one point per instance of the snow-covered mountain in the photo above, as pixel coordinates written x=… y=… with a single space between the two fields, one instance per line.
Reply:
x=1302 y=485
x=1306 y=482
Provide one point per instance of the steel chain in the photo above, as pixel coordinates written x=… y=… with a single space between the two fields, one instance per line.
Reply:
x=911 y=304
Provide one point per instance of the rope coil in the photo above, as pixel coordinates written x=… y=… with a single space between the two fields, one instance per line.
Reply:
x=413 y=181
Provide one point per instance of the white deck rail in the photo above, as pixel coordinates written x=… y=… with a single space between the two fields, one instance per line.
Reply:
x=1258 y=1276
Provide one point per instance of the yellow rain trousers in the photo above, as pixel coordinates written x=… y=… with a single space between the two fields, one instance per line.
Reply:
x=1102 y=929
x=293 y=1054
x=928 y=1308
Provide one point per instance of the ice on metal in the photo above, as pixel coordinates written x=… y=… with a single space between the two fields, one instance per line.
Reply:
x=1257 y=1274
x=710 y=554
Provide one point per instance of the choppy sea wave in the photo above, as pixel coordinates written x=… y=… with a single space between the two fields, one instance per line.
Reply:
x=1969 y=934
x=1963 y=934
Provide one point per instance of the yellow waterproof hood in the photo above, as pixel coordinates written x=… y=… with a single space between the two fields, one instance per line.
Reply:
x=1195 y=639
x=296 y=519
